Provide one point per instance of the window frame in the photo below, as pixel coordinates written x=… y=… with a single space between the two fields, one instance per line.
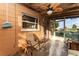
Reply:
x=27 y=29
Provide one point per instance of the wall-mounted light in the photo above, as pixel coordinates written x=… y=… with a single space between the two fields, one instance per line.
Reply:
x=6 y=23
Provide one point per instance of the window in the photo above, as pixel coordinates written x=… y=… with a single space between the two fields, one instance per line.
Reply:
x=29 y=23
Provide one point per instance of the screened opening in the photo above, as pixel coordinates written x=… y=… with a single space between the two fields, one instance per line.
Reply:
x=71 y=28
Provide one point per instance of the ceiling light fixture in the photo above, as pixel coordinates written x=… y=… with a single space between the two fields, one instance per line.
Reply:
x=49 y=11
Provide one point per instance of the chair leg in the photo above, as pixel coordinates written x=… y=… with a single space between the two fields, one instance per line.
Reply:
x=26 y=51
x=31 y=54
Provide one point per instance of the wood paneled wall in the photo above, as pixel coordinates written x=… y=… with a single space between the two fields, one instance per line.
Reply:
x=9 y=37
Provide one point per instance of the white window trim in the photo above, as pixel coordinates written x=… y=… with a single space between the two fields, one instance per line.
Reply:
x=22 y=29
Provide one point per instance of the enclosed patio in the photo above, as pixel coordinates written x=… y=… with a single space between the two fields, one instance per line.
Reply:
x=39 y=29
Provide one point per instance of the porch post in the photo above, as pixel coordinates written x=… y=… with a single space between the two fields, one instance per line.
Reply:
x=65 y=44
x=49 y=34
x=64 y=29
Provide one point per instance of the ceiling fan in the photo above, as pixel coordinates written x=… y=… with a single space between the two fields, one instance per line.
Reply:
x=54 y=8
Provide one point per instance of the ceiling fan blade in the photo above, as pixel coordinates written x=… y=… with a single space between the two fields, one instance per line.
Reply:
x=59 y=9
x=49 y=5
x=44 y=7
x=56 y=7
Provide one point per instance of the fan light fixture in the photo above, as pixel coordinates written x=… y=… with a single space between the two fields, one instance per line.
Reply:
x=49 y=12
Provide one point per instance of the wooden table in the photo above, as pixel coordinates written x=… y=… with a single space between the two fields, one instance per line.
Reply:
x=73 y=45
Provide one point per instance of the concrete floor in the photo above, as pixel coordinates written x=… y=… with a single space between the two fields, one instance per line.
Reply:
x=73 y=53
x=45 y=53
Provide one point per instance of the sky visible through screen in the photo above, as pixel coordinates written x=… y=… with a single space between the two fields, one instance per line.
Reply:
x=69 y=22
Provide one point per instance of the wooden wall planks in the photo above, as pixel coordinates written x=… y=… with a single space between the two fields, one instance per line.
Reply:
x=9 y=37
